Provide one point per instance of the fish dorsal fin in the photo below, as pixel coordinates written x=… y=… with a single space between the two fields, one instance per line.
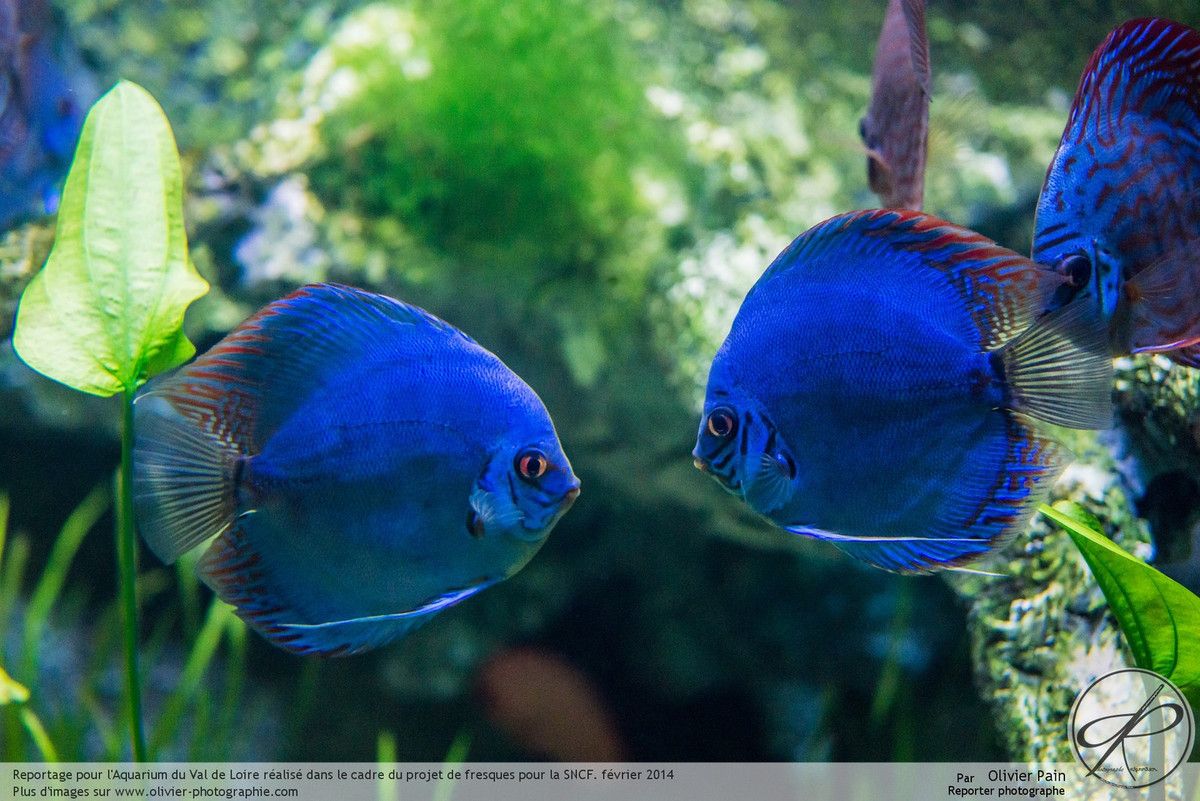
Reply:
x=918 y=41
x=1146 y=66
x=1129 y=158
x=247 y=385
x=1001 y=291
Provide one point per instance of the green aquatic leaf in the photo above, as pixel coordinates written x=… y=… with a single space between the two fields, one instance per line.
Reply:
x=106 y=312
x=1159 y=617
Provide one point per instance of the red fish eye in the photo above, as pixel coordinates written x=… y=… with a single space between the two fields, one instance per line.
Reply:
x=532 y=464
x=722 y=423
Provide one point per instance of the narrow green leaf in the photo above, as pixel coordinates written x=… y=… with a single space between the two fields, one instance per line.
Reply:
x=1159 y=617
x=54 y=576
x=203 y=650
x=37 y=733
x=459 y=748
x=106 y=312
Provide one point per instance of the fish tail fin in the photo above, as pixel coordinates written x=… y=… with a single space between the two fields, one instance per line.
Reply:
x=1059 y=369
x=184 y=479
x=1000 y=484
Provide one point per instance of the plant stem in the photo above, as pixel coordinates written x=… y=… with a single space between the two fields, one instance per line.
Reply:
x=127 y=578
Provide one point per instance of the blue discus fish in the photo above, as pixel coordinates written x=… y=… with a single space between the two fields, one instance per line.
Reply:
x=877 y=387
x=1119 y=213
x=364 y=464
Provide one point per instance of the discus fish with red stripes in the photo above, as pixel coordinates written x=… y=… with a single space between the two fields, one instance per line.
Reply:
x=361 y=463
x=896 y=127
x=1119 y=213
x=879 y=386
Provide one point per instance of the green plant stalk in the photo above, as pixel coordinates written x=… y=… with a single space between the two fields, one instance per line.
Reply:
x=3 y=523
x=459 y=748
x=127 y=578
x=54 y=577
x=10 y=582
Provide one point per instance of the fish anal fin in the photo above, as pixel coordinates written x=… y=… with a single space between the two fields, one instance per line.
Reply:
x=1186 y=357
x=241 y=576
x=990 y=503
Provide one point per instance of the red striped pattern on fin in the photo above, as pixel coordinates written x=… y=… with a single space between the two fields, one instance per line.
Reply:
x=245 y=386
x=1148 y=66
x=1003 y=292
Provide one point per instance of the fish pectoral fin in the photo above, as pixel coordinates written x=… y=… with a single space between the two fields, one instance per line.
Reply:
x=1160 y=312
x=485 y=505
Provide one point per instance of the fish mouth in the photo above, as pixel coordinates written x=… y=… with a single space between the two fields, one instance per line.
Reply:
x=569 y=498
x=528 y=533
x=726 y=483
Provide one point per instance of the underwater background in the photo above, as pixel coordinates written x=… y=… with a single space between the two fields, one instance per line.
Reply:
x=588 y=189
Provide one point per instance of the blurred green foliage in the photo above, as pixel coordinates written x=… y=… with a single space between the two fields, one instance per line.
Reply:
x=508 y=129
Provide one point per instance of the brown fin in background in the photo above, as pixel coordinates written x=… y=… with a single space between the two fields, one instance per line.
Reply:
x=549 y=707
x=896 y=127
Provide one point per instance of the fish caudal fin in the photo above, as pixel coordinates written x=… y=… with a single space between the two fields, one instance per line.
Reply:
x=1060 y=370
x=235 y=569
x=183 y=479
